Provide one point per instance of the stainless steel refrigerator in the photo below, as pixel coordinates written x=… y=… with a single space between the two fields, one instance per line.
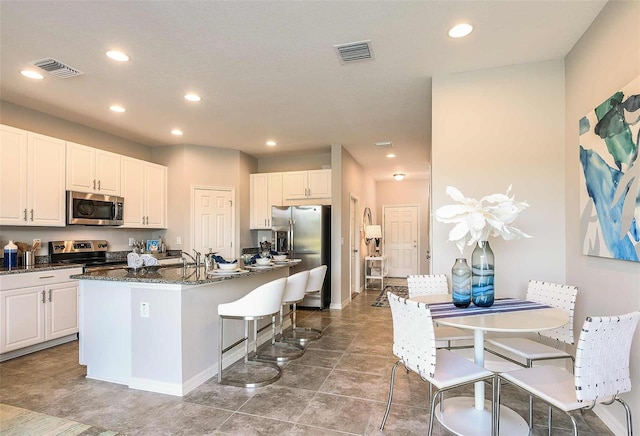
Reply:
x=304 y=232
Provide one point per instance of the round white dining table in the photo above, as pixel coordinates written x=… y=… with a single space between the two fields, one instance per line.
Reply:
x=472 y=416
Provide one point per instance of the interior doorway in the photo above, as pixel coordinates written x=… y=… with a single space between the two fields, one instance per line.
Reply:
x=213 y=220
x=354 y=247
x=400 y=238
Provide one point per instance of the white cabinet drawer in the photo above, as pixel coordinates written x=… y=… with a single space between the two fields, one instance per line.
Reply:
x=40 y=278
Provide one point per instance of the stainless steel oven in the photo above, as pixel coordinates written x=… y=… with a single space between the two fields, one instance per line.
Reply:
x=94 y=209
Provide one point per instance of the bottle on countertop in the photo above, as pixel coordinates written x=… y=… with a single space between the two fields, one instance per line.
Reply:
x=10 y=259
x=161 y=246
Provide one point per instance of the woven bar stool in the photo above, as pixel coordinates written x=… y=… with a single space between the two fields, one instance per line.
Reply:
x=278 y=350
x=303 y=335
x=263 y=302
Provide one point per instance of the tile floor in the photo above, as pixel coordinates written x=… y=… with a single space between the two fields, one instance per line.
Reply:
x=339 y=386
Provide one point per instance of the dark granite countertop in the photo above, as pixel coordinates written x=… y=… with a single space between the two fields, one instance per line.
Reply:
x=173 y=275
x=39 y=267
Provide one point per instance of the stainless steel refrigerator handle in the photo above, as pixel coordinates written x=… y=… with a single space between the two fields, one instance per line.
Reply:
x=291 y=245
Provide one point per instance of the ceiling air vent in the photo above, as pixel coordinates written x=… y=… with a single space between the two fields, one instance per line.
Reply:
x=354 y=51
x=57 y=68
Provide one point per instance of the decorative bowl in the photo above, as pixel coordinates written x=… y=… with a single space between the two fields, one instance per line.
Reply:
x=279 y=257
x=228 y=266
x=263 y=260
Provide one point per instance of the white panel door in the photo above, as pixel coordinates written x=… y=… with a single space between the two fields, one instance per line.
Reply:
x=354 y=259
x=132 y=189
x=62 y=310
x=155 y=183
x=46 y=180
x=13 y=176
x=401 y=239
x=213 y=225
x=22 y=314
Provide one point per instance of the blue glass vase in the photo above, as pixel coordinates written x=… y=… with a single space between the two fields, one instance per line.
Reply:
x=482 y=266
x=461 y=283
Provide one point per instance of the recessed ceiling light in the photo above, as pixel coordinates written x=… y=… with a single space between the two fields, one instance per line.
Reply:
x=192 y=97
x=32 y=74
x=460 y=30
x=177 y=132
x=398 y=176
x=117 y=108
x=117 y=55
x=271 y=143
x=390 y=155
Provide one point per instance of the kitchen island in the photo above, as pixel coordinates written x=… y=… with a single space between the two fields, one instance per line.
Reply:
x=157 y=330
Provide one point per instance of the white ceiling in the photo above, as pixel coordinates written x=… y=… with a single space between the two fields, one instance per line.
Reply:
x=268 y=70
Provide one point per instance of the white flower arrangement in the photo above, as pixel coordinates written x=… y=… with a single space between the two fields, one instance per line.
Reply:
x=476 y=221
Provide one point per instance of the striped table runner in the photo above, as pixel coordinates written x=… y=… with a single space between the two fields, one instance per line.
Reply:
x=448 y=310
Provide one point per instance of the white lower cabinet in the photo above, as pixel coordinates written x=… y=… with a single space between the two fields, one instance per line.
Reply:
x=37 y=307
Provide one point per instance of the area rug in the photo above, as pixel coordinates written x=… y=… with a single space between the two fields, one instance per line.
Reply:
x=382 y=301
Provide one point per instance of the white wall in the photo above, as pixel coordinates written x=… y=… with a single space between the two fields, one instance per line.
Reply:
x=493 y=128
x=301 y=162
x=353 y=180
x=191 y=165
x=606 y=58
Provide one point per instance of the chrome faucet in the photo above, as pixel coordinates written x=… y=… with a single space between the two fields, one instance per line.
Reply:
x=196 y=260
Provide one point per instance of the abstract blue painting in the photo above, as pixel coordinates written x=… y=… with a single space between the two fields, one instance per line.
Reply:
x=610 y=176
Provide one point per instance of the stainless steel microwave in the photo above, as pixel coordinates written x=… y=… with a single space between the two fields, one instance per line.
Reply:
x=94 y=209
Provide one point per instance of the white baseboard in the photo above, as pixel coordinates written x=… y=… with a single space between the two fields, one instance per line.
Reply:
x=156 y=386
x=38 y=347
x=604 y=413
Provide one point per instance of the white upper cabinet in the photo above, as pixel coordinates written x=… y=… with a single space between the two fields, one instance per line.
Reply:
x=266 y=191
x=306 y=185
x=144 y=188
x=92 y=170
x=32 y=179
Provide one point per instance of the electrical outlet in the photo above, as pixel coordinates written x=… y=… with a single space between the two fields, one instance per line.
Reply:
x=131 y=242
x=179 y=240
x=37 y=241
x=144 y=310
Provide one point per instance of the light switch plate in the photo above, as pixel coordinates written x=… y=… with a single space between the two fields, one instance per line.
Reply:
x=144 y=310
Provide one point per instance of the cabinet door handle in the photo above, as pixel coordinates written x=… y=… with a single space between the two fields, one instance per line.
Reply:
x=98 y=185
x=43 y=300
x=45 y=277
x=49 y=295
x=25 y=214
x=94 y=184
x=31 y=214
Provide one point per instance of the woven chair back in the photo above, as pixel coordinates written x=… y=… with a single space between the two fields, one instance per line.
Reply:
x=427 y=284
x=561 y=297
x=602 y=356
x=414 y=340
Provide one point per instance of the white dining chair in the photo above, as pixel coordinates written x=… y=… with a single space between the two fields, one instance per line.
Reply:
x=561 y=297
x=429 y=284
x=601 y=371
x=414 y=344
